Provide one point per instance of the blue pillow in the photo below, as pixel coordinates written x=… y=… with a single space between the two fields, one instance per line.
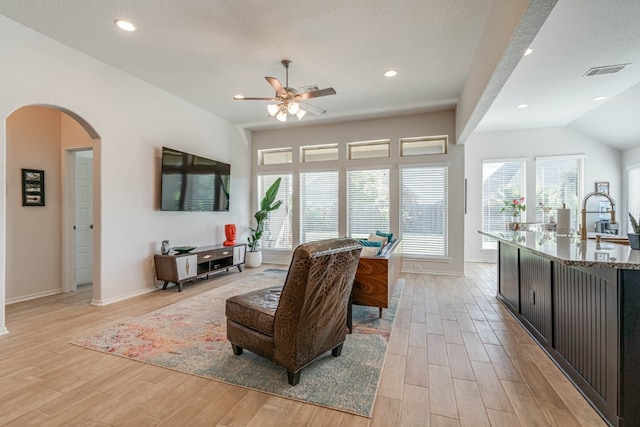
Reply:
x=389 y=236
x=371 y=243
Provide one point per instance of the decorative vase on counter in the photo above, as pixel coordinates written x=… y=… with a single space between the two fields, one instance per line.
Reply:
x=230 y=234
x=165 y=248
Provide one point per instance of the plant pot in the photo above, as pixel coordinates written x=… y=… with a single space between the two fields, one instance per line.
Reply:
x=634 y=240
x=253 y=259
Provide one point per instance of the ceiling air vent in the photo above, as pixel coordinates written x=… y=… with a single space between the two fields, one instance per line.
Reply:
x=608 y=69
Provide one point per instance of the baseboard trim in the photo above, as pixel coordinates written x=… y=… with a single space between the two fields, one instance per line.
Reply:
x=33 y=296
x=103 y=302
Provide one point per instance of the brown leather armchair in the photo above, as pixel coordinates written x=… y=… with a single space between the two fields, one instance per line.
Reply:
x=295 y=323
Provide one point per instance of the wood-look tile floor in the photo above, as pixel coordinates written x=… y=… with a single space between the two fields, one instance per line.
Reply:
x=456 y=358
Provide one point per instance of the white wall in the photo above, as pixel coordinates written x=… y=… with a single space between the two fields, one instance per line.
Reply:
x=602 y=163
x=134 y=120
x=393 y=128
x=33 y=142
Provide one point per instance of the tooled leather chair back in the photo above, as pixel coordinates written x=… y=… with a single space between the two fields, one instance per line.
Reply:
x=312 y=313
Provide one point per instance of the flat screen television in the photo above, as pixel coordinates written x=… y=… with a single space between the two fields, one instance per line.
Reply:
x=193 y=183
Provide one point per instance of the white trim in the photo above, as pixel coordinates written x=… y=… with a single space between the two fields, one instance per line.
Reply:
x=101 y=303
x=509 y=159
x=4 y=331
x=567 y=156
x=34 y=296
x=424 y=165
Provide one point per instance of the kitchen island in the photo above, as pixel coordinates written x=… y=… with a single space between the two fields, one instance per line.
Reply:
x=580 y=300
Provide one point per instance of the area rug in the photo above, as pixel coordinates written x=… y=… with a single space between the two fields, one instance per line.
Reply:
x=190 y=336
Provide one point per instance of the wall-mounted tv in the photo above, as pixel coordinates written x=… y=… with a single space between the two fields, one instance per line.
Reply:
x=193 y=183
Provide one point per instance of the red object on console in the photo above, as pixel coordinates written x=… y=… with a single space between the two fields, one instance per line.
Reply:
x=230 y=233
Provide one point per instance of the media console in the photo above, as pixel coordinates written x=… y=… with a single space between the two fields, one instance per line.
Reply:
x=201 y=262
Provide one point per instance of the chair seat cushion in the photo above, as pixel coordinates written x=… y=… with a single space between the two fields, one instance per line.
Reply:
x=255 y=310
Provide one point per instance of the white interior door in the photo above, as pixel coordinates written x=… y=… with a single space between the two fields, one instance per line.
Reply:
x=84 y=217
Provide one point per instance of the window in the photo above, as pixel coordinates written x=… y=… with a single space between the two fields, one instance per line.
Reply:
x=367 y=202
x=501 y=180
x=277 y=229
x=423 y=145
x=319 y=153
x=424 y=210
x=368 y=149
x=276 y=156
x=633 y=195
x=318 y=206
x=558 y=181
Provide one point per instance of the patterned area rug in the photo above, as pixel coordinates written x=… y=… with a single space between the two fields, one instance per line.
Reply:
x=190 y=336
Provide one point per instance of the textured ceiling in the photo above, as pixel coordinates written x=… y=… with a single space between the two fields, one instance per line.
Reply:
x=578 y=35
x=206 y=52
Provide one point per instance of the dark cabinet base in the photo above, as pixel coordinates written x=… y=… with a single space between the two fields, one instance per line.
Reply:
x=586 y=319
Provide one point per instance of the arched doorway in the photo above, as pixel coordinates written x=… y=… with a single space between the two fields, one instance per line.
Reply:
x=41 y=256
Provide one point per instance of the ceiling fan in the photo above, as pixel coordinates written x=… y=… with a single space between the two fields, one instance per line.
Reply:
x=289 y=100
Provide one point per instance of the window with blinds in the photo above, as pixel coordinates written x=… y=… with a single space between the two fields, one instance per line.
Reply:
x=633 y=195
x=558 y=181
x=424 y=211
x=367 y=202
x=501 y=180
x=275 y=156
x=318 y=206
x=277 y=229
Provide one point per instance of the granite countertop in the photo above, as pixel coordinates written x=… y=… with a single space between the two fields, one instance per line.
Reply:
x=571 y=250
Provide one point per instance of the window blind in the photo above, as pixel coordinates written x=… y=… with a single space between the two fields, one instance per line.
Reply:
x=633 y=195
x=318 y=206
x=367 y=202
x=501 y=180
x=557 y=182
x=277 y=229
x=424 y=210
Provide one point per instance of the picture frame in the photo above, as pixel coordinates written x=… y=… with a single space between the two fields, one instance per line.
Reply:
x=602 y=187
x=33 y=187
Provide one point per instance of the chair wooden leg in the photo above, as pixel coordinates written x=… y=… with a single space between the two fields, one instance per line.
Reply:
x=293 y=377
x=337 y=351
x=237 y=350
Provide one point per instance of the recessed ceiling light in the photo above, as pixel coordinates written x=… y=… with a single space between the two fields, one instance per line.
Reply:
x=528 y=52
x=599 y=98
x=125 y=25
x=238 y=97
x=390 y=73
x=521 y=106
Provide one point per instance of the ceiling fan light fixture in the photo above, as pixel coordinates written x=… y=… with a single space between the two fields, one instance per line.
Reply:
x=293 y=108
x=273 y=109
x=300 y=114
x=282 y=115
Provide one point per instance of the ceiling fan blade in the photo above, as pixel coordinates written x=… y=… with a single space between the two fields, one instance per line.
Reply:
x=275 y=83
x=313 y=109
x=246 y=98
x=316 y=93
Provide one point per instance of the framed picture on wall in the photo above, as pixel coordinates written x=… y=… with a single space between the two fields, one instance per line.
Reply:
x=32 y=187
x=602 y=187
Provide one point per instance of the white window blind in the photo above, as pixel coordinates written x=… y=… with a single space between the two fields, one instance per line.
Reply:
x=557 y=182
x=277 y=229
x=501 y=180
x=367 y=202
x=633 y=195
x=424 y=210
x=318 y=206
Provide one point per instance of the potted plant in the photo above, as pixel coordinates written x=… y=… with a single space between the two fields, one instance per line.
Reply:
x=514 y=207
x=268 y=204
x=634 y=238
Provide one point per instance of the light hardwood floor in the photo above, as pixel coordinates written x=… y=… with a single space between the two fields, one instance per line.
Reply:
x=456 y=357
